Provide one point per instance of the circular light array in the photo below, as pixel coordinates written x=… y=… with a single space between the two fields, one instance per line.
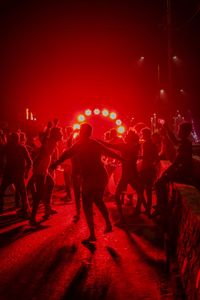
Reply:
x=105 y=113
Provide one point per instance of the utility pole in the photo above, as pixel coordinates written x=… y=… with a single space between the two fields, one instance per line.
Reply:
x=169 y=52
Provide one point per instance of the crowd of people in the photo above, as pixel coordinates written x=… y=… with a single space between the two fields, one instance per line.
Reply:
x=87 y=165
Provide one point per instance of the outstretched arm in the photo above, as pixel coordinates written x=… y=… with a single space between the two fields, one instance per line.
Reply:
x=29 y=162
x=65 y=155
x=111 y=153
x=112 y=146
x=171 y=135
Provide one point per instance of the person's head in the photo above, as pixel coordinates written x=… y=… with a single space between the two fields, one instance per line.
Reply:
x=56 y=134
x=132 y=137
x=185 y=129
x=85 y=130
x=146 y=133
x=13 y=138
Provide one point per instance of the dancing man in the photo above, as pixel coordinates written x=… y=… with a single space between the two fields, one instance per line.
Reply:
x=93 y=175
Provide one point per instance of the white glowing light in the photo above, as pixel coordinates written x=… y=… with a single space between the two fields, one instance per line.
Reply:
x=81 y=118
x=88 y=112
x=96 y=111
x=118 y=122
x=76 y=126
x=121 y=129
x=113 y=115
x=105 y=112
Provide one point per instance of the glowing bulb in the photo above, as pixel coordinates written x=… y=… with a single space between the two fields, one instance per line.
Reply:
x=118 y=122
x=88 y=112
x=75 y=135
x=113 y=115
x=81 y=118
x=76 y=126
x=162 y=91
x=121 y=129
x=105 y=112
x=27 y=113
x=96 y=111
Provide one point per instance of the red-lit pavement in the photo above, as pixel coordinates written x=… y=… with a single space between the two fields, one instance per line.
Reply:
x=51 y=263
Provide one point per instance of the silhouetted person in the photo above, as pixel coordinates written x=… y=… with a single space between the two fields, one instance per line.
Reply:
x=93 y=174
x=148 y=165
x=3 y=141
x=180 y=170
x=76 y=181
x=41 y=178
x=67 y=165
x=168 y=150
x=129 y=150
x=22 y=141
x=17 y=166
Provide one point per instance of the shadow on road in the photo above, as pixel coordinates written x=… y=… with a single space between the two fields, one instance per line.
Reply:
x=18 y=232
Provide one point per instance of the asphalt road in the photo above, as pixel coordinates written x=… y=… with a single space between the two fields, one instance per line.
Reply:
x=50 y=262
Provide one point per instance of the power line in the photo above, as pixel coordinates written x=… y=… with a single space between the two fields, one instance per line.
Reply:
x=189 y=20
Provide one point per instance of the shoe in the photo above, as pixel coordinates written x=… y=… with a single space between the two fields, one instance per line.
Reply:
x=155 y=214
x=51 y=211
x=120 y=223
x=33 y=222
x=66 y=198
x=23 y=214
x=90 y=239
x=46 y=216
x=108 y=229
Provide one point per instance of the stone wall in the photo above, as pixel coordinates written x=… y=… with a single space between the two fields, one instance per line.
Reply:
x=185 y=236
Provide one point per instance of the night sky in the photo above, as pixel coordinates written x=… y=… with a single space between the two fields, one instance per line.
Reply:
x=60 y=57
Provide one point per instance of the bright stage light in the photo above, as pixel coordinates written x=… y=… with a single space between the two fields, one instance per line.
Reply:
x=81 y=118
x=96 y=111
x=76 y=126
x=105 y=112
x=118 y=122
x=121 y=129
x=113 y=115
x=75 y=135
x=88 y=112
x=162 y=91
